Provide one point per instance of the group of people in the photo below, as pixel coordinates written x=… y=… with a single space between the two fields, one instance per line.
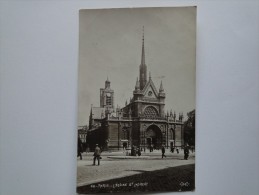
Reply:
x=134 y=151
x=97 y=151
x=173 y=148
x=186 y=151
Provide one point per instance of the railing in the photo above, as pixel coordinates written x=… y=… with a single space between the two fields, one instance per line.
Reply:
x=150 y=99
x=155 y=118
x=152 y=118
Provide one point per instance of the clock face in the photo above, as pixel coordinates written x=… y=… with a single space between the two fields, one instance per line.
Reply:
x=108 y=94
x=150 y=93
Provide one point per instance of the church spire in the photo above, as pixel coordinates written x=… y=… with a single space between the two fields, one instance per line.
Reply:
x=143 y=66
x=143 y=48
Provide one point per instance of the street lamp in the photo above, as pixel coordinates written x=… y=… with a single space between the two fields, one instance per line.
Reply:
x=144 y=141
x=144 y=131
x=164 y=138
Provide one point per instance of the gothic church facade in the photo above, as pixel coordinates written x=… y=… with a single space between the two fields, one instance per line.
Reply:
x=141 y=122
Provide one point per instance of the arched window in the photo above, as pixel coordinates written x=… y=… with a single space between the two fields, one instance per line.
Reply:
x=150 y=112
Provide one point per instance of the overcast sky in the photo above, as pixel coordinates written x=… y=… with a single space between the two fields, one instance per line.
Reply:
x=110 y=45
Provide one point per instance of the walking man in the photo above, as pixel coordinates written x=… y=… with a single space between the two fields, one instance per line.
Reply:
x=186 y=152
x=163 y=152
x=97 y=154
x=79 y=147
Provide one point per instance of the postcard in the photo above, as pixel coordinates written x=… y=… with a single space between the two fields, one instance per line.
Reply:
x=136 y=110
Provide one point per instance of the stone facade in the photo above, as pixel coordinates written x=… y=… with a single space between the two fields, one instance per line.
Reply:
x=141 y=122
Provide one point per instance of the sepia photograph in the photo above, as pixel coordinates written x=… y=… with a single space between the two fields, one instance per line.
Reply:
x=153 y=96
x=136 y=101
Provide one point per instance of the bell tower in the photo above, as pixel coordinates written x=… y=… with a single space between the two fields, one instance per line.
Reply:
x=107 y=96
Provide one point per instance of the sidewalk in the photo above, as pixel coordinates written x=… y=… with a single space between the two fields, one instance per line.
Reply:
x=146 y=153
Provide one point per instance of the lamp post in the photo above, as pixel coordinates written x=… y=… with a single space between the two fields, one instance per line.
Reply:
x=144 y=131
x=144 y=141
x=126 y=131
x=164 y=134
x=119 y=136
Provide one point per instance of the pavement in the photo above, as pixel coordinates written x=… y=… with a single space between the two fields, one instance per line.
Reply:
x=117 y=164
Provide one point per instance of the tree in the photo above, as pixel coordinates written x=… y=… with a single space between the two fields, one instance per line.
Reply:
x=189 y=128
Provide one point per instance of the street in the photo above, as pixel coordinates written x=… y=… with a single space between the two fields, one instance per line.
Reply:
x=116 y=165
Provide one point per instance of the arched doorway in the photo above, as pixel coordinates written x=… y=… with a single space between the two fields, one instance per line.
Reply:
x=154 y=137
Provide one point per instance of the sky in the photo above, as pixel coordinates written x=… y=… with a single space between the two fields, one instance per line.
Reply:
x=110 y=42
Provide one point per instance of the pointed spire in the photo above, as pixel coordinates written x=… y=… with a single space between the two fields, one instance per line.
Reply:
x=161 y=89
x=149 y=75
x=126 y=103
x=143 y=66
x=143 y=49
x=137 y=86
x=91 y=117
x=107 y=83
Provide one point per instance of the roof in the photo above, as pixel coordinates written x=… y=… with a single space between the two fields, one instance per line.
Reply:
x=98 y=113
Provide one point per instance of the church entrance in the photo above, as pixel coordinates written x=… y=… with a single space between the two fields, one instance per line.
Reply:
x=153 y=137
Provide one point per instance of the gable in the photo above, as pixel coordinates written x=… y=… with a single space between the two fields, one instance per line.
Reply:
x=150 y=90
x=150 y=93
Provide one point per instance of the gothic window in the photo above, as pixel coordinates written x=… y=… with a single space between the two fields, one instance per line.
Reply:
x=150 y=112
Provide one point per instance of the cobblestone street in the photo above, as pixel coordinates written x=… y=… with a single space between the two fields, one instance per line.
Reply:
x=112 y=166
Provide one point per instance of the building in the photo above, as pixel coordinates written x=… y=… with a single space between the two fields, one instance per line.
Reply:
x=141 y=122
x=82 y=134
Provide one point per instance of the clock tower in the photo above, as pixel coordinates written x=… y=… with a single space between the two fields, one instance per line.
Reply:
x=107 y=96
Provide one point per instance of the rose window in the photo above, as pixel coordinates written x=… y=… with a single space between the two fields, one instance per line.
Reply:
x=150 y=112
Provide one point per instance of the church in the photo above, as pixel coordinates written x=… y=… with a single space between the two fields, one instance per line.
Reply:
x=142 y=122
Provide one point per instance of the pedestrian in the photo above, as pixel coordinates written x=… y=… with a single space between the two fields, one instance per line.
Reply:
x=186 y=152
x=177 y=150
x=79 y=147
x=133 y=150
x=124 y=145
x=163 y=152
x=97 y=154
x=172 y=149
x=139 y=151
